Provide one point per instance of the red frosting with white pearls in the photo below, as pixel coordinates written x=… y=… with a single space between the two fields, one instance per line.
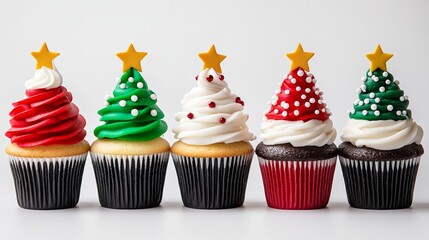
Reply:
x=298 y=99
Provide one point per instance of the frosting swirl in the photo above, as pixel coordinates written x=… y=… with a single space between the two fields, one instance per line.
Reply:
x=131 y=114
x=46 y=117
x=211 y=113
x=45 y=78
x=382 y=134
x=298 y=133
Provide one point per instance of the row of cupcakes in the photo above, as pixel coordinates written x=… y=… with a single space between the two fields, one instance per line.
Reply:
x=379 y=155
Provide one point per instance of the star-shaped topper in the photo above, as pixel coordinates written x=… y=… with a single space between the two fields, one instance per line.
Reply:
x=44 y=57
x=378 y=59
x=131 y=58
x=212 y=59
x=299 y=58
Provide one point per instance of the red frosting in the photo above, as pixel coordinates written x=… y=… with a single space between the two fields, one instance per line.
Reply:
x=46 y=117
x=298 y=99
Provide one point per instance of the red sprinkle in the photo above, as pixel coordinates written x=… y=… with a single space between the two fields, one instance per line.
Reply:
x=196 y=77
x=242 y=103
x=221 y=77
x=190 y=115
x=212 y=104
x=237 y=99
x=209 y=78
x=222 y=120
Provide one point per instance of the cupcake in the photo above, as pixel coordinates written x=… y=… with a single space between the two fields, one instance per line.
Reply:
x=213 y=154
x=297 y=155
x=130 y=158
x=381 y=148
x=47 y=151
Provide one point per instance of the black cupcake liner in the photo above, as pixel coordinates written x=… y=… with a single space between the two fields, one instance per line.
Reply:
x=130 y=181
x=213 y=183
x=47 y=183
x=380 y=184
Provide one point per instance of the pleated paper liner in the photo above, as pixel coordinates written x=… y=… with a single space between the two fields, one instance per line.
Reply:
x=130 y=181
x=213 y=183
x=47 y=183
x=297 y=184
x=380 y=184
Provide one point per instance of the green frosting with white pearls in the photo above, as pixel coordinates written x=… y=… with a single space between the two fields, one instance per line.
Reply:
x=380 y=98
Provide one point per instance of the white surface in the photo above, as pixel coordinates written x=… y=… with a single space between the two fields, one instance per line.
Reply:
x=254 y=35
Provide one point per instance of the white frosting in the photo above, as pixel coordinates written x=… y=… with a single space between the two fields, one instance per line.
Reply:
x=205 y=127
x=45 y=78
x=298 y=133
x=383 y=134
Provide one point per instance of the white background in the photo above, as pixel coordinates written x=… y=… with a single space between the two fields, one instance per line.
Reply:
x=255 y=35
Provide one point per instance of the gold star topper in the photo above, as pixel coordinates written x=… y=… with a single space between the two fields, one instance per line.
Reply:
x=378 y=59
x=131 y=58
x=212 y=59
x=300 y=58
x=44 y=57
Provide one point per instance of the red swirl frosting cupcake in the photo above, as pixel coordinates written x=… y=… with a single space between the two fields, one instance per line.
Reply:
x=47 y=136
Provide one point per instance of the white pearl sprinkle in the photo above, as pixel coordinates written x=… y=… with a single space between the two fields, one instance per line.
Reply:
x=303 y=96
x=122 y=85
x=314 y=80
x=385 y=74
x=317 y=92
x=358 y=91
x=396 y=82
x=377 y=100
x=308 y=79
x=134 y=98
x=363 y=79
x=389 y=107
x=356 y=102
x=310 y=74
x=287 y=92
x=307 y=104
x=277 y=91
x=106 y=103
x=404 y=112
x=375 y=79
x=370 y=74
x=312 y=100
x=153 y=96
x=300 y=73
x=372 y=95
x=360 y=103
x=153 y=112
x=293 y=80
x=130 y=79
x=140 y=85
x=118 y=80
x=363 y=87
x=296 y=112
x=382 y=89
x=388 y=82
x=364 y=112
x=134 y=112
x=107 y=97
x=296 y=103
x=274 y=102
x=290 y=77
x=398 y=113
x=377 y=113
x=405 y=97
x=353 y=111
x=323 y=109
x=284 y=113
x=366 y=101
x=316 y=111
x=319 y=101
x=298 y=88
x=373 y=107
x=285 y=105
x=276 y=111
x=307 y=90
x=122 y=103
x=401 y=98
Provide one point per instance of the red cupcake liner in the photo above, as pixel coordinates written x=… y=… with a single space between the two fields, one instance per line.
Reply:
x=297 y=184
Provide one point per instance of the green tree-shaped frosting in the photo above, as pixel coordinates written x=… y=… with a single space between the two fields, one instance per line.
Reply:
x=131 y=114
x=380 y=98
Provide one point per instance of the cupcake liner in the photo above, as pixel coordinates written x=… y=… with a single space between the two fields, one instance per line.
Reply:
x=47 y=183
x=380 y=184
x=213 y=183
x=297 y=184
x=130 y=181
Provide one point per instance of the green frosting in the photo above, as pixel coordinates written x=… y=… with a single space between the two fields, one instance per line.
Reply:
x=132 y=113
x=380 y=100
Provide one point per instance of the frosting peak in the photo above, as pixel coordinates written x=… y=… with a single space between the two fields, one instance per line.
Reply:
x=45 y=78
x=211 y=113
